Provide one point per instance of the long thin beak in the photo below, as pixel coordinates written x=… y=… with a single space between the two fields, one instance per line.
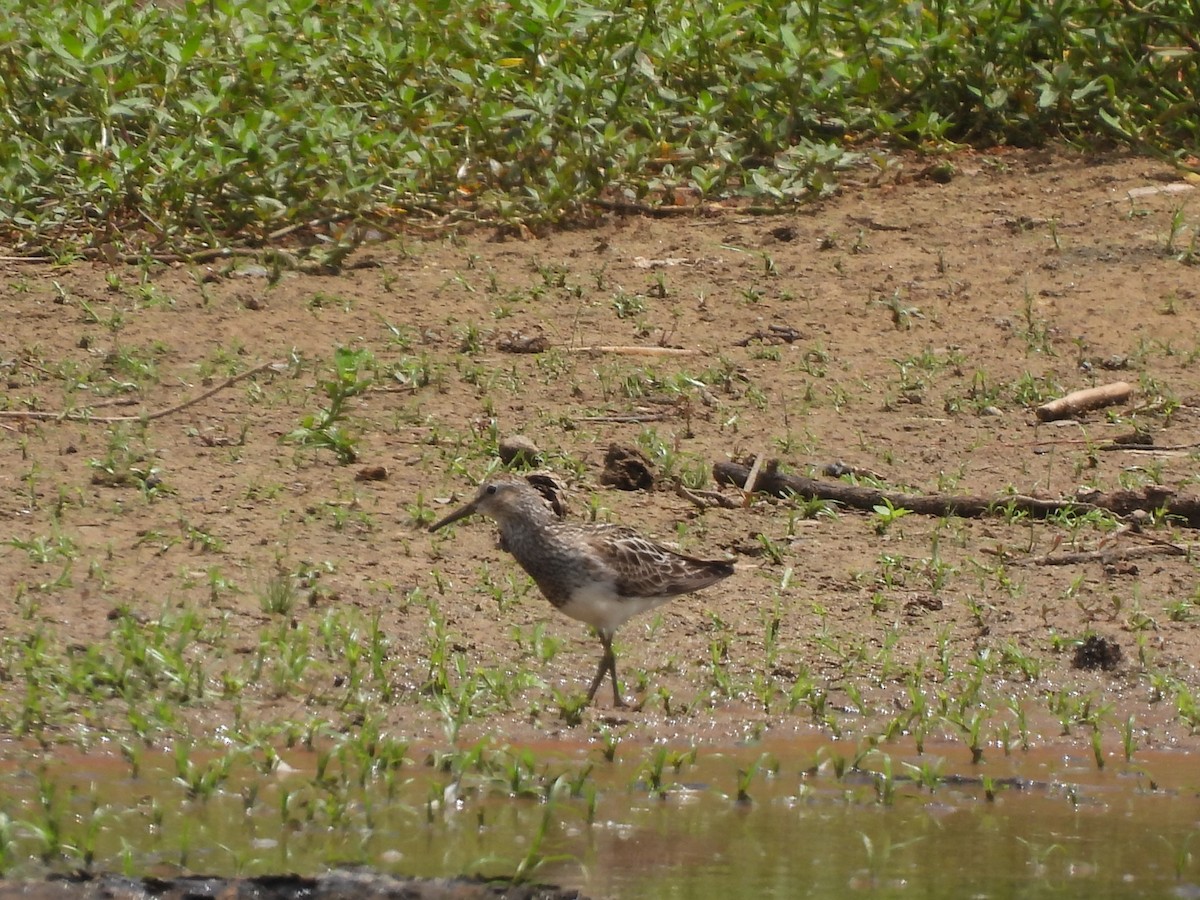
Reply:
x=460 y=513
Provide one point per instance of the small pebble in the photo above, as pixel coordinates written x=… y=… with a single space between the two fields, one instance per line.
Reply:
x=518 y=448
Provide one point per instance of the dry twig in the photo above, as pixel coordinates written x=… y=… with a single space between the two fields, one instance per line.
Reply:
x=1112 y=555
x=705 y=499
x=83 y=416
x=636 y=351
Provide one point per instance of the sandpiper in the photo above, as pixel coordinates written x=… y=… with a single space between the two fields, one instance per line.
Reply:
x=599 y=574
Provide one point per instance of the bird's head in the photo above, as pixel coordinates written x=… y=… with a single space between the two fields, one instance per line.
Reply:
x=500 y=500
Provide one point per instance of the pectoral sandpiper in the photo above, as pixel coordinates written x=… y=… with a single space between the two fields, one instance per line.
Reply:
x=599 y=574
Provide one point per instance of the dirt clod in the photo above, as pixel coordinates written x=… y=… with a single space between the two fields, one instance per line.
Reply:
x=1097 y=652
x=627 y=469
x=522 y=342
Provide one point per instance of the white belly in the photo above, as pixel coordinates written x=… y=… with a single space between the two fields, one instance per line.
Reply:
x=600 y=607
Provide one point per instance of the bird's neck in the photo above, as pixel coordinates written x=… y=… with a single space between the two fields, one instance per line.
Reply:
x=531 y=538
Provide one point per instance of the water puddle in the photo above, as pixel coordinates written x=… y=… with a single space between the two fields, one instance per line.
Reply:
x=797 y=818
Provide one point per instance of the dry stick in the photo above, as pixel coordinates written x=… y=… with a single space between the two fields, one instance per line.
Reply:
x=705 y=499
x=116 y=401
x=1088 y=398
x=632 y=419
x=1183 y=510
x=710 y=210
x=751 y=481
x=1167 y=449
x=144 y=417
x=198 y=256
x=1106 y=556
x=645 y=209
x=1116 y=445
x=636 y=351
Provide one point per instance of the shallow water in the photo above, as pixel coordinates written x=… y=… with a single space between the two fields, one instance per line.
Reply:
x=658 y=821
x=1056 y=827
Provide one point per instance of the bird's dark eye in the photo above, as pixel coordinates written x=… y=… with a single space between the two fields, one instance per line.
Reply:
x=491 y=489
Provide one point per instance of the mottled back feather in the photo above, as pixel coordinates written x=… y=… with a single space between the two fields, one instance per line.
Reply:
x=642 y=568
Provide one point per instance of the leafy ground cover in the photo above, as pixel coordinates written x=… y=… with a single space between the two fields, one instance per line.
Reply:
x=144 y=128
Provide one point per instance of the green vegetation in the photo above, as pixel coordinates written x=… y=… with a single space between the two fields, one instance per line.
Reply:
x=154 y=128
x=325 y=429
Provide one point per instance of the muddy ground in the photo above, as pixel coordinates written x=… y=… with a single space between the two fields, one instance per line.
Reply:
x=906 y=327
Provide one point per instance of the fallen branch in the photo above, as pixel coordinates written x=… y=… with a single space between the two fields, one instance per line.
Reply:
x=628 y=207
x=1151 y=499
x=1088 y=398
x=83 y=416
x=631 y=419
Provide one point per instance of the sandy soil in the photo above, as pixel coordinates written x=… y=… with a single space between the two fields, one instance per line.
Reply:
x=905 y=327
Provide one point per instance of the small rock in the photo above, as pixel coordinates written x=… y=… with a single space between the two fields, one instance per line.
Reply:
x=251 y=271
x=516 y=448
x=991 y=411
x=371 y=473
x=1122 y=567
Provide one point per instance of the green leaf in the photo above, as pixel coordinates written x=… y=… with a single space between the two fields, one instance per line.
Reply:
x=794 y=47
x=70 y=42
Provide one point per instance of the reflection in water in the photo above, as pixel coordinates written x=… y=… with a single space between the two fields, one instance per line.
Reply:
x=656 y=822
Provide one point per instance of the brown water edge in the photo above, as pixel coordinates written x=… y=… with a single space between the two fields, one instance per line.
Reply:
x=334 y=886
x=815 y=818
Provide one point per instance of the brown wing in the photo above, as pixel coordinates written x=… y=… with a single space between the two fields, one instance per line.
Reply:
x=642 y=568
